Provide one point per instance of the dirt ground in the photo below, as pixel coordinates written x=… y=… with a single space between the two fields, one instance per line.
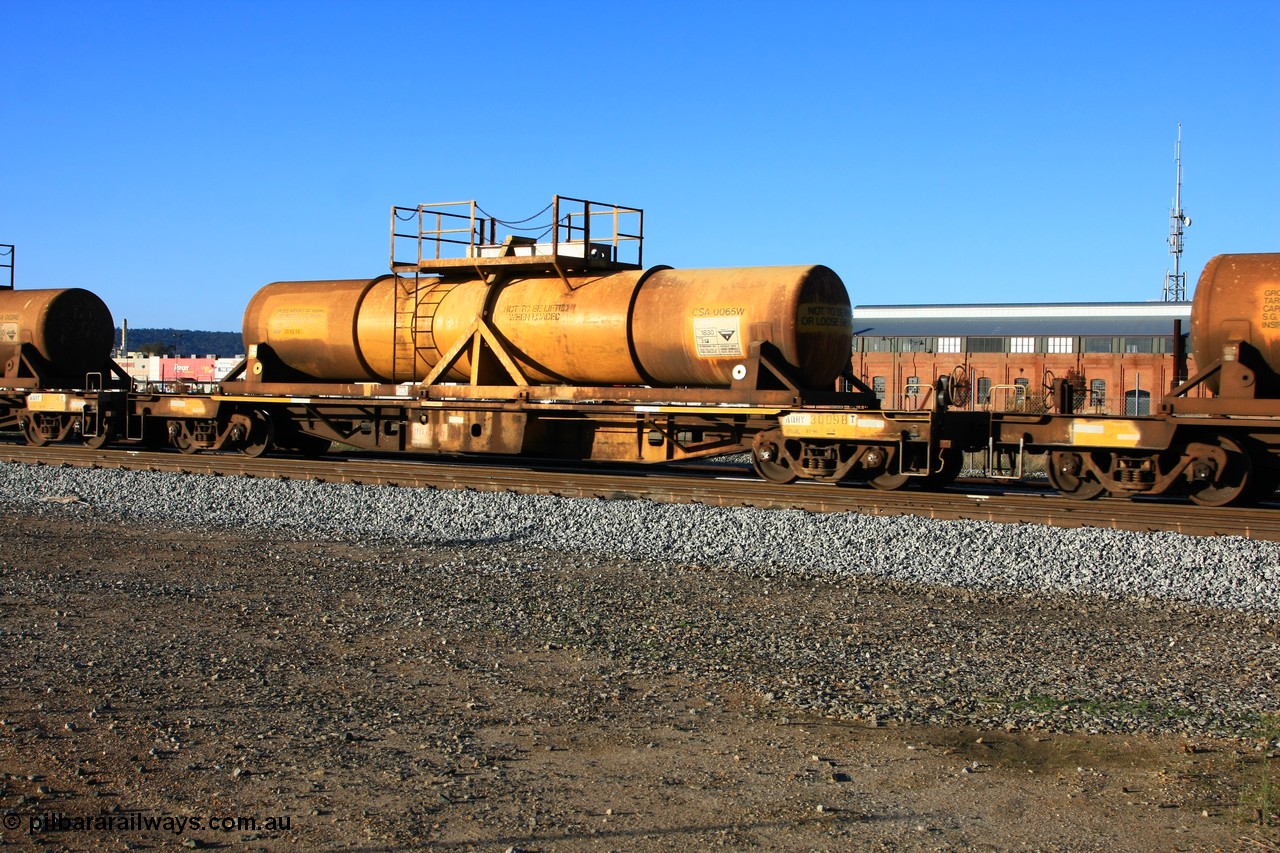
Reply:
x=178 y=689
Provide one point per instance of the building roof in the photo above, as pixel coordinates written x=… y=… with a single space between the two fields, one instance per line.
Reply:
x=1000 y=320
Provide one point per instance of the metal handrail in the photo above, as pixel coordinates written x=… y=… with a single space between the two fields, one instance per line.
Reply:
x=8 y=255
x=440 y=226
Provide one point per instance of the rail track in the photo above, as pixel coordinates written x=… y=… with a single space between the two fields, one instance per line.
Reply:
x=713 y=485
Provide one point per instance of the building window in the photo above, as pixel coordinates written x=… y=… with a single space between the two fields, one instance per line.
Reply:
x=1097 y=345
x=986 y=344
x=877 y=344
x=1137 y=344
x=917 y=345
x=984 y=391
x=878 y=385
x=1022 y=384
x=949 y=345
x=1022 y=344
x=1060 y=345
x=913 y=384
x=1137 y=403
x=1098 y=392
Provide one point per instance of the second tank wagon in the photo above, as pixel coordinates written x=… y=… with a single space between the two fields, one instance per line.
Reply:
x=1218 y=449
x=1238 y=299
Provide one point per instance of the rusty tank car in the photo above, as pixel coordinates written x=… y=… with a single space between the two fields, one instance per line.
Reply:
x=567 y=346
x=1218 y=448
x=54 y=344
x=57 y=335
x=1237 y=299
x=659 y=327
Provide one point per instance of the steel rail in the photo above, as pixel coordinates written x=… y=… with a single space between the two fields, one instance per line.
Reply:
x=966 y=500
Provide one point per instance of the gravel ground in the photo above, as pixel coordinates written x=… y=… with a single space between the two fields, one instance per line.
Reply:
x=397 y=667
x=1226 y=572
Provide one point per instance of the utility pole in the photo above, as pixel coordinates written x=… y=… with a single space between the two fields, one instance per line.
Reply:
x=1175 y=283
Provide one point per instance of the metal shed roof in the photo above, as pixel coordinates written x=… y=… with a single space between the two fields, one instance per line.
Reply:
x=999 y=320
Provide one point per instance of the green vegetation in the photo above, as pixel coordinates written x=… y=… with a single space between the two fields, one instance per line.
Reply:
x=156 y=349
x=183 y=342
x=1145 y=709
x=1260 y=796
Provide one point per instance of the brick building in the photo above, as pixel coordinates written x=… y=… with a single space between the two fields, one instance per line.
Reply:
x=1122 y=357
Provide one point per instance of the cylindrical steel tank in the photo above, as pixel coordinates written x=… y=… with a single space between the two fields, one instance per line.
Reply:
x=322 y=328
x=1237 y=297
x=692 y=326
x=70 y=328
x=657 y=327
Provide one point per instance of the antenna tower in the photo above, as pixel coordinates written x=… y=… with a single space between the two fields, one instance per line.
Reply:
x=1175 y=283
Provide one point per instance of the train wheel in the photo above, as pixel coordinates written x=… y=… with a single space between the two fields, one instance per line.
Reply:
x=260 y=433
x=35 y=437
x=180 y=437
x=887 y=482
x=1068 y=475
x=1230 y=484
x=876 y=462
x=770 y=459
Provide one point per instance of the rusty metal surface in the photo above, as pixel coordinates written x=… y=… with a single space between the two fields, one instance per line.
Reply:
x=527 y=264
x=557 y=331
x=69 y=328
x=664 y=327
x=978 y=503
x=320 y=328
x=1105 y=432
x=692 y=327
x=1226 y=412
x=1225 y=455
x=1238 y=298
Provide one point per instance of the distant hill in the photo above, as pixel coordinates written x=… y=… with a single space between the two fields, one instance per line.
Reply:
x=187 y=341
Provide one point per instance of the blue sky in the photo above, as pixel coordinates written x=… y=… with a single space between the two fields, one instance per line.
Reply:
x=176 y=156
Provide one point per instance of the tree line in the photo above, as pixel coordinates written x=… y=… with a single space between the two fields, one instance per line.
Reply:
x=183 y=342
